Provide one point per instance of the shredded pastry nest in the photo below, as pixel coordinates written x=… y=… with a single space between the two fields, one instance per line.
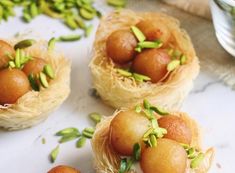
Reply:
x=119 y=91
x=34 y=107
x=107 y=161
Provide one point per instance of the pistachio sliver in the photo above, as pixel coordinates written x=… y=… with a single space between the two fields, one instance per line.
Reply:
x=87 y=134
x=183 y=59
x=43 y=80
x=69 y=137
x=24 y=44
x=90 y=130
x=159 y=110
x=138 y=34
x=96 y=117
x=88 y=30
x=153 y=141
x=48 y=70
x=81 y=142
x=12 y=64
x=33 y=82
x=117 y=3
x=173 y=65
x=67 y=131
x=123 y=166
x=88 y=15
x=54 y=154
x=17 y=58
x=149 y=44
x=51 y=44
x=138 y=109
x=140 y=77
x=136 y=151
x=124 y=73
x=146 y=104
x=197 y=160
x=70 y=37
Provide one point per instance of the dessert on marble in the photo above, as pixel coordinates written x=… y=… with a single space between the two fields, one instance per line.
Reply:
x=149 y=139
x=143 y=55
x=34 y=81
x=63 y=169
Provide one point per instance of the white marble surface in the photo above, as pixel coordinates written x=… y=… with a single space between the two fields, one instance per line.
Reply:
x=210 y=103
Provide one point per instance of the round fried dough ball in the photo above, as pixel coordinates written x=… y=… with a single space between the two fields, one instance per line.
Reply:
x=167 y=157
x=152 y=63
x=121 y=46
x=5 y=49
x=13 y=84
x=63 y=169
x=126 y=129
x=154 y=30
x=176 y=128
x=34 y=66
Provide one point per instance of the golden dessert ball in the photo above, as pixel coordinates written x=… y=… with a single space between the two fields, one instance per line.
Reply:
x=63 y=169
x=176 y=128
x=126 y=129
x=120 y=46
x=5 y=50
x=167 y=157
x=34 y=66
x=13 y=84
x=154 y=30
x=152 y=63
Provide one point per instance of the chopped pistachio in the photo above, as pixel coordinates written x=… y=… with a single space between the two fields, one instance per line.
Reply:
x=197 y=160
x=51 y=44
x=70 y=37
x=159 y=110
x=81 y=142
x=140 y=77
x=89 y=130
x=136 y=151
x=146 y=104
x=96 y=117
x=138 y=34
x=67 y=131
x=138 y=109
x=33 y=83
x=69 y=137
x=183 y=59
x=17 y=58
x=43 y=80
x=88 y=15
x=48 y=70
x=173 y=65
x=54 y=154
x=149 y=44
x=123 y=166
x=88 y=30
x=12 y=64
x=117 y=3
x=87 y=134
x=24 y=44
x=124 y=72
x=153 y=141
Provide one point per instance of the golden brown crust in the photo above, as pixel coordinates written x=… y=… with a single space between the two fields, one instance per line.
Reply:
x=107 y=161
x=119 y=91
x=34 y=107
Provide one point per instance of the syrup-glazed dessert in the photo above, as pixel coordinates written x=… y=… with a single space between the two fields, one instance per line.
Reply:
x=148 y=139
x=142 y=55
x=34 y=81
x=63 y=169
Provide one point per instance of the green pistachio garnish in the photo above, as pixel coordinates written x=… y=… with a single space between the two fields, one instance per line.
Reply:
x=86 y=14
x=33 y=83
x=173 y=65
x=17 y=58
x=12 y=64
x=51 y=44
x=24 y=44
x=124 y=72
x=117 y=3
x=69 y=38
x=183 y=59
x=138 y=34
x=48 y=70
x=43 y=80
x=138 y=109
x=67 y=131
x=81 y=142
x=136 y=151
x=149 y=44
x=69 y=137
x=197 y=160
x=159 y=110
x=96 y=117
x=54 y=154
x=140 y=77
x=88 y=30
